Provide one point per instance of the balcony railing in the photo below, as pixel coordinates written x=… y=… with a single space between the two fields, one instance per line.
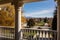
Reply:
x=37 y=34
x=7 y=33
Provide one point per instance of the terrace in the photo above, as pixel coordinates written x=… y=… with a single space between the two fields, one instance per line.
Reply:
x=40 y=34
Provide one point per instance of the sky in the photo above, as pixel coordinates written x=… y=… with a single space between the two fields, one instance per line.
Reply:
x=39 y=9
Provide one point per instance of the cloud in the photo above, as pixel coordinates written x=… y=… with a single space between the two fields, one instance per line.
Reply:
x=40 y=13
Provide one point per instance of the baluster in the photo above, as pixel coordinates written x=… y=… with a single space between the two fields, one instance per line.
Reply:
x=9 y=34
x=45 y=35
x=28 y=31
x=22 y=34
x=34 y=37
x=55 y=35
x=39 y=34
x=49 y=35
x=31 y=34
x=4 y=32
x=42 y=35
x=0 y=32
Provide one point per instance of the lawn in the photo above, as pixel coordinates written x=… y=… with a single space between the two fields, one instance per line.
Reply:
x=40 y=23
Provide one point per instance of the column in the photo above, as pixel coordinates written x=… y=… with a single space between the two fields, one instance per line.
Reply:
x=15 y=3
x=58 y=20
x=19 y=23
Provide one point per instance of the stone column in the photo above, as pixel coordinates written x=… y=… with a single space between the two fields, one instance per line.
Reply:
x=15 y=3
x=16 y=19
x=19 y=20
x=58 y=20
x=19 y=23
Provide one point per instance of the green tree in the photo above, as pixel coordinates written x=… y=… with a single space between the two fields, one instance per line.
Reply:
x=30 y=22
x=45 y=19
x=54 y=22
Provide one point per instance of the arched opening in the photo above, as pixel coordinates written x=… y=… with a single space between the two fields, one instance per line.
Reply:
x=40 y=15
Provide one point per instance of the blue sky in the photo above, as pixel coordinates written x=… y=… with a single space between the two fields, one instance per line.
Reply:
x=39 y=9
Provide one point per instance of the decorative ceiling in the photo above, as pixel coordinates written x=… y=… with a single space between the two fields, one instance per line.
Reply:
x=24 y=1
x=27 y=1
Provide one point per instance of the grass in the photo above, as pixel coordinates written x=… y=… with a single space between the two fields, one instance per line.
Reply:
x=40 y=23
